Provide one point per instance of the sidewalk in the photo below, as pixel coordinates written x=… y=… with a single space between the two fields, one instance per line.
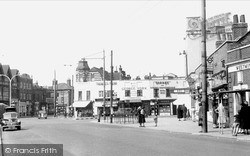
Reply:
x=171 y=124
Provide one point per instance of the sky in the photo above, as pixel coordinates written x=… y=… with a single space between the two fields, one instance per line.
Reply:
x=40 y=37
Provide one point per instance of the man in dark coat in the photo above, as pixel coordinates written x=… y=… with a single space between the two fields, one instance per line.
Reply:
x=184 y=109
x=179 y=112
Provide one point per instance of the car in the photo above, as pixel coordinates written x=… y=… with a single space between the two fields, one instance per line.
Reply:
x=42 y=114
x=10 y=121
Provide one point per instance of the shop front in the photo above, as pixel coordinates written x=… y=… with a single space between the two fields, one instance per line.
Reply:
x=162 y=107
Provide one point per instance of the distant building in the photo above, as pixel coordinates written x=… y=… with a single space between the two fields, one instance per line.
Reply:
x=157 y=92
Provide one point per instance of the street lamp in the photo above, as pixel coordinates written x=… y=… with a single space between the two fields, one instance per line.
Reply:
x=185 y=53
x=10 y=79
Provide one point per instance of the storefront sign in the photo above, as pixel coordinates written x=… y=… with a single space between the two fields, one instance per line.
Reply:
x=106 y=83
x=239 y=67
x=161 y=84
x=134 y=88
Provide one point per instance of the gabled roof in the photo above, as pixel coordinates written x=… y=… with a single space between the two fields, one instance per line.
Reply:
x=14 y=72
x=6 y=70
x=100 y=71
x=1 y=69
x=63 y=86
x=25 y=76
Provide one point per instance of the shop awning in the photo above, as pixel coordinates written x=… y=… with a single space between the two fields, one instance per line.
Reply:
x=81 y=104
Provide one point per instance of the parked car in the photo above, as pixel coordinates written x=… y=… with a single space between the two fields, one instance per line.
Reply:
x=10 y=121
x=42 y=114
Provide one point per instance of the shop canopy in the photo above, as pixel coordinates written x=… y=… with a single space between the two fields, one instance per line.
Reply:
x=81 y=104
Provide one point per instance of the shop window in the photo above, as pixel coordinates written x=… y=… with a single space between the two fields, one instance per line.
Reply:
x=127 y=93
x=139 y=93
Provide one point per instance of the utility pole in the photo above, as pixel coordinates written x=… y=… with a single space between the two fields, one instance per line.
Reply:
x=204 y=67
x=104 y=91
x=111 y=89
x=54 y=83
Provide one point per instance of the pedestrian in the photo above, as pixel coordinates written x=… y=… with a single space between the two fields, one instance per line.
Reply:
x=221 y=116
x=200 y=115
x=244 y=113
x=139 y=115
x=143 y=113
x=184 y=111
x=179 y=112
x=236 y=125
x=156 y=119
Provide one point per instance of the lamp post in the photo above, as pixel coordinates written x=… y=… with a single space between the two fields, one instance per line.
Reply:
x=10 y=79
x=185 y=53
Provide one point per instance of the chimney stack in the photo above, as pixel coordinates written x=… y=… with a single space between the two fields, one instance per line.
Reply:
x=239 y=29
x=242 y=18
x=68 y=82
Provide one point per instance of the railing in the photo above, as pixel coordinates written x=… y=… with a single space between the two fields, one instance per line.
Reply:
x=123 y=118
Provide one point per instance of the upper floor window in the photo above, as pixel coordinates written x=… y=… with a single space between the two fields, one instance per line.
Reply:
x=156 y=92
x=139 y=93
x=87 y=95
x=80 y=96
x=168 y=93
x=127 y=93
x=100 y=93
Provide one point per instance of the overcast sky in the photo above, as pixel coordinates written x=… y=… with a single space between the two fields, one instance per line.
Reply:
x=38 y=37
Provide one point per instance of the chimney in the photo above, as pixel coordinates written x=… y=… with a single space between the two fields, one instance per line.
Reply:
x=239 y=29
x=68 y=82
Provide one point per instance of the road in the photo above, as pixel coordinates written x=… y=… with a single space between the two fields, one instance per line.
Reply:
x=86 y=138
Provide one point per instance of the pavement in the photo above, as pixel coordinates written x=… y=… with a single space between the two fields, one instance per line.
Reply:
x=171 y=124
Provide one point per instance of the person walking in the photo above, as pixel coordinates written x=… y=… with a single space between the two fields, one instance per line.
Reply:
x=179 y=112
x=244 y=113
x=221 y=116
x=156 y=119
x=143 y=116
x=184 y=109
x=139 y=116
x=200 y=116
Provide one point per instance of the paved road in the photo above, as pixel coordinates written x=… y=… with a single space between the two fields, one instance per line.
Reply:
x=83 y=138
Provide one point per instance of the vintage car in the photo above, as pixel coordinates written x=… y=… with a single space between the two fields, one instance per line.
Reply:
x=42 y=114
x=10 y=121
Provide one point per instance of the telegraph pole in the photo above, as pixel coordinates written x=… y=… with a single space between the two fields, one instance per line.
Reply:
x=104 y=91
x=204 y=67
x=111 y=89
x=54 y=83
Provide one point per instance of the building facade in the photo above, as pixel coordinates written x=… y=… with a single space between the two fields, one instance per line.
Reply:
x=155 y=93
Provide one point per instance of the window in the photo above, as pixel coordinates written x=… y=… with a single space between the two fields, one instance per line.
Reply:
x=139 y=93
x=223 y=63
x=108 y=93
x=127 y=93
x=62 y=100
x=87 y=95
x=156 y=93
x=80 y=96
x=163 y=92
x=100 y=93
x=167 y=93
